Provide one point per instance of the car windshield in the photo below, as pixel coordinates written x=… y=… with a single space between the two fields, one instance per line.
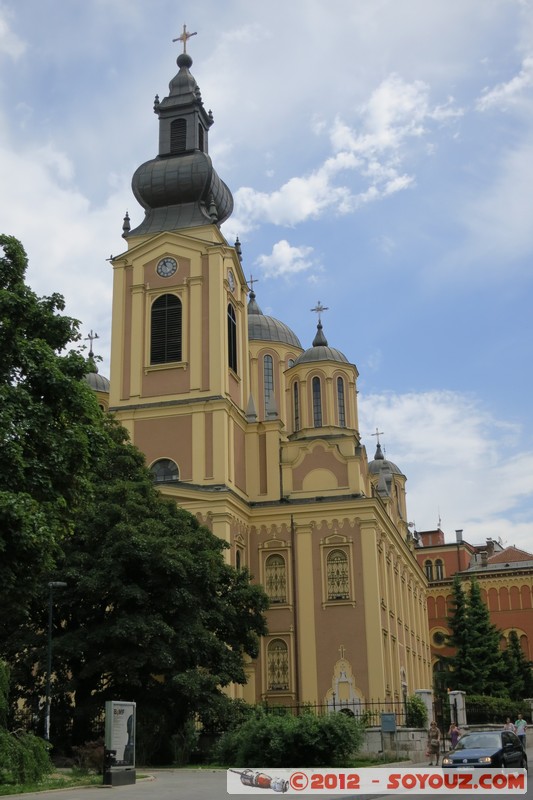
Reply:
x=478 y=741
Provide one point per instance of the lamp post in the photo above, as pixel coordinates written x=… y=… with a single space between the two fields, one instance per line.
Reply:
x=51 y=586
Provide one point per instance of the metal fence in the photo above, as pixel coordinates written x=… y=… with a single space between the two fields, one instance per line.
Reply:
x=369 y=711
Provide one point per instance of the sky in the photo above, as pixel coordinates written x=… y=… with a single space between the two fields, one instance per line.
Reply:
x=380 y=155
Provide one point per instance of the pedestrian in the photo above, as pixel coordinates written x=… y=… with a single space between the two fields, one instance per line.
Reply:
x=509 y=726
x=454 y=734
x=433 y=747
x=521 y=728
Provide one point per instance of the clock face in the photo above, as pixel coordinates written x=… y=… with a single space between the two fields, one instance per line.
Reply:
x=231 y=280
x=167 y=267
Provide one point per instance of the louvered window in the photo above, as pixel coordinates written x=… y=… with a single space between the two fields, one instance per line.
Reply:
x=340 y=402
x=276 y=579
x=200 y=138
x=166 y=330
x=337 y=575
x=278 y=665
x=232 y=338
x=317 y=403
x=296 y=397
x=178 y=136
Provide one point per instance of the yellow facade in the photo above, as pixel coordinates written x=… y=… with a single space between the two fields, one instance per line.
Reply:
x=258 y=437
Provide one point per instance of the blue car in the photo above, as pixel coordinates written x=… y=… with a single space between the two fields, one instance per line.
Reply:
x=486 y=749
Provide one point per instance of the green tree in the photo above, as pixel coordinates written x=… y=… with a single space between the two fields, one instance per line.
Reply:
x=477 y=663
x=461 y=662
x=518 y=673
x=46 y=417
x=151 y=611
x=484 y=646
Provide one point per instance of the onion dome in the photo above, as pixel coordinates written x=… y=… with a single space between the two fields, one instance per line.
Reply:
x=381 y=465
x=180 y=187
x=320 y=350
x=268 y=329
x=97 y=382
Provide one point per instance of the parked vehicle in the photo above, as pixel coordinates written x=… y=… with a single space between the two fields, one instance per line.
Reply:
x=486 y=749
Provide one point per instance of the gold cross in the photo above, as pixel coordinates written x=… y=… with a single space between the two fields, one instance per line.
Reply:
x=342 y=649
x=184 y=37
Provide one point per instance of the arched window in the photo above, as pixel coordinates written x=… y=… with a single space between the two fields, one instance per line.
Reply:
x=317 y=403
x=165 y=344
x=296 y=408
x=232 y=338
x=276 y=579
x=277 y=665
x=439 y=570
x=178 y=135
x=337 y=575
x=165 y=471
x=268 y=379
x=428 y=566
x=340 y=402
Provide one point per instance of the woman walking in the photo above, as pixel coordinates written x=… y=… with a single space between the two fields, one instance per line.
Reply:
x=433 y=748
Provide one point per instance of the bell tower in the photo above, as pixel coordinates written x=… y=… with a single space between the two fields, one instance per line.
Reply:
x=179 y=365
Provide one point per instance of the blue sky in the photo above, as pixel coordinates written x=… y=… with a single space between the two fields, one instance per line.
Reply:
x=380 y=154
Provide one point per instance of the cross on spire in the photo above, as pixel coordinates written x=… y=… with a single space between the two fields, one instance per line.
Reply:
x=252 y=281
x=91 y=337
x=184 y=37
x=377 y=434
x=342 y=649
x=319 y=308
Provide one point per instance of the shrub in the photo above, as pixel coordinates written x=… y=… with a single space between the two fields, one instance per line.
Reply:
x=416 y=712
x=23 y=758
x=483 y=709
x=287 y=741
x=90 y=756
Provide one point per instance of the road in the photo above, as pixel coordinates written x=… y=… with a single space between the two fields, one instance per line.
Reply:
x=206 y=784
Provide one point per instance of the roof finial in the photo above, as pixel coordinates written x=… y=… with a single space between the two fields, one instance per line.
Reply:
x=318 y=310
x=377 y=434
x=91 y=337
x=251 y=282
x=184 y=37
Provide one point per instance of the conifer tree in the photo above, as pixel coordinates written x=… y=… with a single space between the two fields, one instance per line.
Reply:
x=518 y=672
x=477 y=663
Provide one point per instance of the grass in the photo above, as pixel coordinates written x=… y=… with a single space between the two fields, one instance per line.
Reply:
x=63 y=780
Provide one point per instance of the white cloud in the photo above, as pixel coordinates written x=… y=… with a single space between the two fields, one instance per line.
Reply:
x=369 y=157
x=509 y=93
x=10 y=43
x=460 y=461
x=285 y=260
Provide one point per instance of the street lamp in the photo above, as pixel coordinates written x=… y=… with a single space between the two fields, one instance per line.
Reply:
x=51 y=586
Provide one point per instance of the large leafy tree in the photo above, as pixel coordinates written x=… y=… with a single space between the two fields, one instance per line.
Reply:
x=46 y=417
x=151 y=610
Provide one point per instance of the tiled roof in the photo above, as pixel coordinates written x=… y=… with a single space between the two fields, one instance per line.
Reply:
x=510 y=555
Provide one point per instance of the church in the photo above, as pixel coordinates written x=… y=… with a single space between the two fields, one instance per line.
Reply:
x=257 y=434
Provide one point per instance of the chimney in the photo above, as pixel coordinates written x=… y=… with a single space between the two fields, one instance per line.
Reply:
x=459 y=536
x=484 y=556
